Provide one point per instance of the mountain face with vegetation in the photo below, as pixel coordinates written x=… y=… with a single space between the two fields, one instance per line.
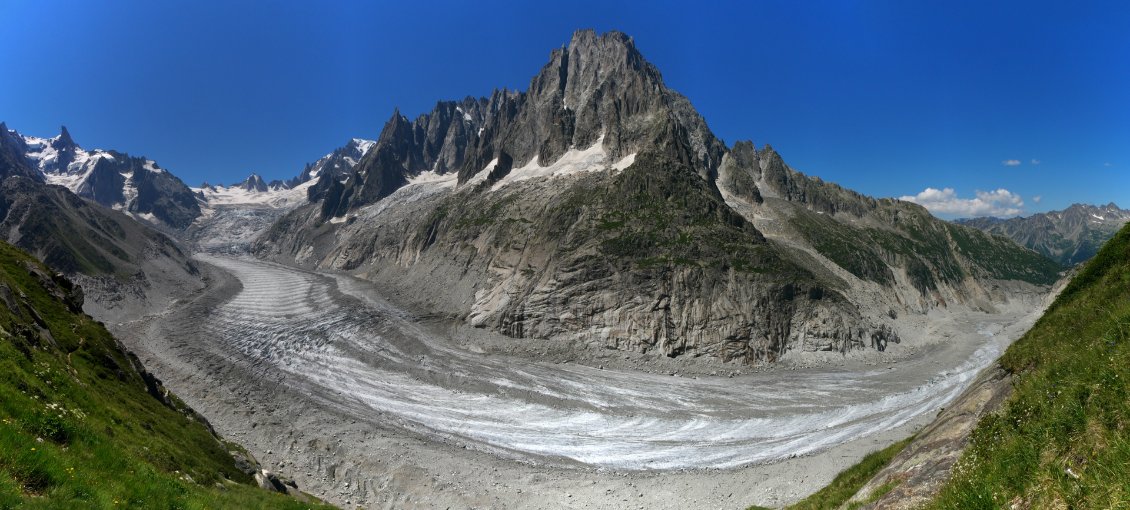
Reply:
x=82 y=425
x=597 y=207
x=1069 y=237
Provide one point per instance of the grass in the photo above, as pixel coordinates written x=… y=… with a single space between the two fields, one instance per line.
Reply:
x=1062 y=439
x=78 y=428
x=848 y=482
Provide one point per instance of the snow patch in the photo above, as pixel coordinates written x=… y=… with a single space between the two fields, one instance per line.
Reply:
x=592 y=159
x=624 y=162
x=431 y=176
x=482 y=174
x=235 y=195
x=152 y=167
x=364 y=145
x=129 y=191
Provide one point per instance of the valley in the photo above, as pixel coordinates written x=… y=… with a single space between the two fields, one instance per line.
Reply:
x=364 y=401
x=575 y=295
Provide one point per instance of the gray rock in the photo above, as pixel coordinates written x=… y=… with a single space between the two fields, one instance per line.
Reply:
x=652 y=258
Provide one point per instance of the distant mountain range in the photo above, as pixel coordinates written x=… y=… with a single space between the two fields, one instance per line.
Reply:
x=140 y=188
x=1069 y=237
x=295 y=191
x=137 y=186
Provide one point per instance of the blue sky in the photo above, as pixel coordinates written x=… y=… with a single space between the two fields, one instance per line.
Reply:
x=997 y=107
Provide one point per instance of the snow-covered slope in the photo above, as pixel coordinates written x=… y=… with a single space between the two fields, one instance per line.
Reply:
x=339 y=162
x=235 y=215
x=285 y=194
x=237 y=194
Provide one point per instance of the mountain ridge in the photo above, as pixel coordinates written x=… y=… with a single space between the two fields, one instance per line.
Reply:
x=1069 y=236
x=588 y=208
x=134 y=185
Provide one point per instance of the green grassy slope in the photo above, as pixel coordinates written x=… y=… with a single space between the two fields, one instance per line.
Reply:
x=1063 y=438
x=80 y=428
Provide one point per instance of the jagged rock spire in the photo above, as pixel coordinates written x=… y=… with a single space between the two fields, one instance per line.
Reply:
x=597 y=88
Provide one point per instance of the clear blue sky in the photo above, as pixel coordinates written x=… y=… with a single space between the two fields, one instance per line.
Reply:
x=889 y=98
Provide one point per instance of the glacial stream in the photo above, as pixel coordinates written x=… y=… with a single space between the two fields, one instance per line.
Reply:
x=337 y=343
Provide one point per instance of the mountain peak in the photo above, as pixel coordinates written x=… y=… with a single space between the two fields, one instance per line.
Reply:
x=64 y=140
x=588 y=37
x=253 y=183
x=396 y=125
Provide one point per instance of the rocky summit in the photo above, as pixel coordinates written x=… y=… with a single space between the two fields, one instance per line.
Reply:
x=597 y=207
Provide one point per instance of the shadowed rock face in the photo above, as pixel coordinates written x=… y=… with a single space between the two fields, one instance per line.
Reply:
x=76 y=236
x=597 y=207
x=12 y=159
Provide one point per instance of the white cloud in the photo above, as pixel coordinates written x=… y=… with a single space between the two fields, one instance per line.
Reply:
x=1000 y=203
x=1011 y=162
x=1037 y=198
x=1035 y=161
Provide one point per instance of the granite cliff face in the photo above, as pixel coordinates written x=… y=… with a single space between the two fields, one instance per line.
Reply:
x=597 y=207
